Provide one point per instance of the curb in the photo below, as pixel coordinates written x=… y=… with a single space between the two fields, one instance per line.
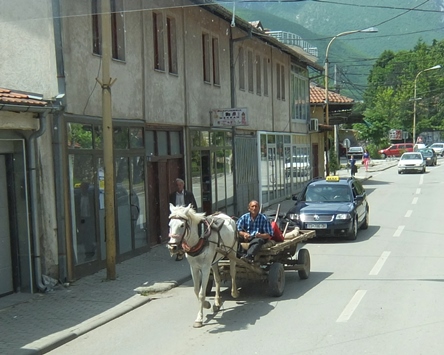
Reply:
x=55 y=340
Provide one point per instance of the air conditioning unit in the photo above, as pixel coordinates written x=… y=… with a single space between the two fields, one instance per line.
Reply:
x=314 y=125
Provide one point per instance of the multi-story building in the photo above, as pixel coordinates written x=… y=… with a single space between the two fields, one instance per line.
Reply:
x=198 y=94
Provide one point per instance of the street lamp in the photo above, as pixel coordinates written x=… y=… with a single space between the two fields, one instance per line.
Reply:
x=327 y=119
x=414 y=100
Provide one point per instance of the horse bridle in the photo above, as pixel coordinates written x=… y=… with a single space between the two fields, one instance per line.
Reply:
x=187 y=229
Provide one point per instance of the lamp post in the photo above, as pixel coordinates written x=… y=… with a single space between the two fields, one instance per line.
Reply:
x=327 y=118
x=414 y=99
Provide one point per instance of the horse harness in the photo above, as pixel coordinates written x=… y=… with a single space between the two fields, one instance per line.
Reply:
x=210 y=223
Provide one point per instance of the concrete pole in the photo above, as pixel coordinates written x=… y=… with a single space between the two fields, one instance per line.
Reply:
x=108 y=153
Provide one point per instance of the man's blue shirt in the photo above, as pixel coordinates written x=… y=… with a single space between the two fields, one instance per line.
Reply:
x=260 y=225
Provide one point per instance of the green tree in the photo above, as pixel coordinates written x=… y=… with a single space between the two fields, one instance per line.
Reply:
x=333 y=163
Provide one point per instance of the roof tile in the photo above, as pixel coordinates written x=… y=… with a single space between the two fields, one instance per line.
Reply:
x=317 y=96
x=10 y=97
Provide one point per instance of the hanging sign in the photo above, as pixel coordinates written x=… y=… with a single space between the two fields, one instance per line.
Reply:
x=229 y=117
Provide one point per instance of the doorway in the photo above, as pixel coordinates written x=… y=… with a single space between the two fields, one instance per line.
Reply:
x=6 y=279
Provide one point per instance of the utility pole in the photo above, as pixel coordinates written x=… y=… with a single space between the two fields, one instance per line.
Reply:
x=108 y=153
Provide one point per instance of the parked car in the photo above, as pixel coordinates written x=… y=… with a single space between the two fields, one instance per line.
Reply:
x=411 y=161
x=342 y=150
x=298 y=164
x=357 y=152
x=396 y=150
x=438 y=148
x=430 y=157
x=332 y=206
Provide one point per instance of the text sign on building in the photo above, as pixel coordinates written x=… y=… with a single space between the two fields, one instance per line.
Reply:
x=229 y=117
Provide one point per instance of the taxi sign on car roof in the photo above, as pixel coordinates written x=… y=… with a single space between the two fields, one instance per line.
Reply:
x=332 y=178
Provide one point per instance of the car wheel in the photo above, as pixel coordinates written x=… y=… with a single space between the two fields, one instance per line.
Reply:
x=366 y=220
x=383 y=156
x=423 y=170
x=354 y=232
x=399 y=171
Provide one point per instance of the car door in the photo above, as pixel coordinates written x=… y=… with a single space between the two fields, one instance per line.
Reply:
x=361 y=205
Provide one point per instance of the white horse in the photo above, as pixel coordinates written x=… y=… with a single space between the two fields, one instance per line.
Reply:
x=201 y=251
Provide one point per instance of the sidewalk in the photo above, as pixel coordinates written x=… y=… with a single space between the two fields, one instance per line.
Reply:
x=38 y=323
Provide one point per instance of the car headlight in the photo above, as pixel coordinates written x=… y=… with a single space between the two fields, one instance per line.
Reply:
x=343 y=216
x=294 y=216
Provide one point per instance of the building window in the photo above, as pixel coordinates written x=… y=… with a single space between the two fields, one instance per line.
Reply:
x=96 y=28
x=283 y=82
x=206 y=57
x=250 y=71
x=216 y=74
x=278 y=81
x=265 y=76
x=117 y=29
x=258 y=75
x=172 y=45
x=300 y=90
x=159 y=56
x=241 y=69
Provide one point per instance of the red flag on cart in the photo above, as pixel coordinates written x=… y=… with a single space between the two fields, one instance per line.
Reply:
x=277 y=233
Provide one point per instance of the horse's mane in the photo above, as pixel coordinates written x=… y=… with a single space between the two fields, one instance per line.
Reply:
x=187 y=213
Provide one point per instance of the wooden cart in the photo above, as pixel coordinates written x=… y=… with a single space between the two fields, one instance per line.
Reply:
x=272 y=261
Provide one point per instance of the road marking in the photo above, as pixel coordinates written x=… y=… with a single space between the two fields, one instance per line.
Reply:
x=408 y=213
x=421 y=179
x=418 y=191
x=399 y=231
x=380 y=263
x=415 y=199
x=351 y=306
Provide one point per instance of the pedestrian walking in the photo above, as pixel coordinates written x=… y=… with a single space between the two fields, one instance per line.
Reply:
x=353 y=167
x=366 y=159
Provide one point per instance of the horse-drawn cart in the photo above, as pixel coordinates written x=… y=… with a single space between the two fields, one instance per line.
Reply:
x=272 y=261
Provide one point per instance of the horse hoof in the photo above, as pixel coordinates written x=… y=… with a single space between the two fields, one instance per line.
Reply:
x=207 y=305
x=235 y=295
x=216 y=308
x=197 y=325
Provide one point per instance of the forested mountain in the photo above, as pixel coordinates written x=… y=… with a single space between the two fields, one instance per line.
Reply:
x=400 y=23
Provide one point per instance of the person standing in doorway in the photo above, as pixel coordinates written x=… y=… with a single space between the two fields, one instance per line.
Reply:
x=182 y=197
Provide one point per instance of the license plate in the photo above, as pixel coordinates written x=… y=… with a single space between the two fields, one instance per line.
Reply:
x=316 y=225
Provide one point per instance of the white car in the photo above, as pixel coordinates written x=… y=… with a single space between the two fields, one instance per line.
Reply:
x=438 y=148
x=411 y=161
x=357 y=152
x=299 y=165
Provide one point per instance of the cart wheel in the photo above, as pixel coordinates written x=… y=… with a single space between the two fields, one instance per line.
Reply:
x=276 y=280
x=304 y=259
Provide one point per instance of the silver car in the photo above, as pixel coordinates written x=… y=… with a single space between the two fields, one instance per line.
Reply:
x=438 y=148
x=411 y=161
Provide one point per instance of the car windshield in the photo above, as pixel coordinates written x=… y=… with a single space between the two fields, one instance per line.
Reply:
x=327 y=193
x=436 y=145
x=355 y=149
x=427 y=152
x=411 y=156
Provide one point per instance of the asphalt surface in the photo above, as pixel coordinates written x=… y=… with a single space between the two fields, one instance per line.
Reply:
x=38 y=323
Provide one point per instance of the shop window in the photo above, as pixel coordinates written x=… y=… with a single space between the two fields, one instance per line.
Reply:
x=175 y=143
x=80 y=136
x=162 y=143
x=121 y=138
